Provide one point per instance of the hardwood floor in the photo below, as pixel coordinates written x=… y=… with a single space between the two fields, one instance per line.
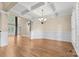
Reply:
x=24 y=47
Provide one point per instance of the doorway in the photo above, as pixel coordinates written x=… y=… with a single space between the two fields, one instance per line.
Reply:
x=12 y=29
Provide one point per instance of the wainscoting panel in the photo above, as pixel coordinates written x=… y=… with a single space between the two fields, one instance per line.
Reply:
x=61 y=36
x=4 y=39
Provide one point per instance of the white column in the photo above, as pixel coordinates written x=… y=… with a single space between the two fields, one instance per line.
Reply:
x=75 y=28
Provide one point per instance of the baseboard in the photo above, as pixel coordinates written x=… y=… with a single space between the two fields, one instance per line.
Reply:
x=51 y=39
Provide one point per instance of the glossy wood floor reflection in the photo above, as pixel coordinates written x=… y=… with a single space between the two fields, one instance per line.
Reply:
x=24 y=47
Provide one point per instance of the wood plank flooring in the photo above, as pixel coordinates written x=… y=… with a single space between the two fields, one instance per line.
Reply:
x=24 y=47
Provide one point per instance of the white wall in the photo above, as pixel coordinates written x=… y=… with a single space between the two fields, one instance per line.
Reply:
x=54 y=28
x=4 y=29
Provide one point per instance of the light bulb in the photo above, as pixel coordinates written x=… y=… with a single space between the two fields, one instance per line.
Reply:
x=39 y=19
x=45 y=19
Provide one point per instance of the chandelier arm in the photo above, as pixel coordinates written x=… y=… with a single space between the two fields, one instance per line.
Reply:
x=42 y=13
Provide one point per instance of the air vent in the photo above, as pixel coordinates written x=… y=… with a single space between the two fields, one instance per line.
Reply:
x=37 y=5
x=25 y=11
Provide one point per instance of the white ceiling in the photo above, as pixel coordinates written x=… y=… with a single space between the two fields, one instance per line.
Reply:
x=32 y=10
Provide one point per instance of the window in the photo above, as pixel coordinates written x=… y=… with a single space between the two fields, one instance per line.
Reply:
x=11 y=25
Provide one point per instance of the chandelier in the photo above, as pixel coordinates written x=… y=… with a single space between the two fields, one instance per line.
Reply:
x=42 y=19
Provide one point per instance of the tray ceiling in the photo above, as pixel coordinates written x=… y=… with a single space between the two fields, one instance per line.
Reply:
x=33 y=9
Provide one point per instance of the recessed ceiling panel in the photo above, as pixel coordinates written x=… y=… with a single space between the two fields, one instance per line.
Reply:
x=37 y=5
x=32 y=15
x=28 y=4
x=18 y=8
x=46 y=10
x=24 y=12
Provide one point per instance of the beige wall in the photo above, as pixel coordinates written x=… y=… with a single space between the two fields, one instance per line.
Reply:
x=4 y=22
x=62 y=23
x=58 y=28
